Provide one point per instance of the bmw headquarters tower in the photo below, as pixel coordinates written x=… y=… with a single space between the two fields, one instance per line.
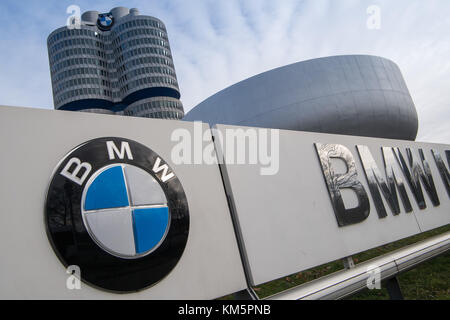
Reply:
x=114 y=63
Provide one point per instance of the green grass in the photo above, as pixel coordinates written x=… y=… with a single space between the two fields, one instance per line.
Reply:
x=429 y=280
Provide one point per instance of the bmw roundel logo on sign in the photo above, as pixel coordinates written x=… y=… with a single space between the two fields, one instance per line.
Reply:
x=118 y=211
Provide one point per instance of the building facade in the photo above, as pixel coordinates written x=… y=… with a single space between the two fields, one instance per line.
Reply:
x=352 y=95
x=115 y=63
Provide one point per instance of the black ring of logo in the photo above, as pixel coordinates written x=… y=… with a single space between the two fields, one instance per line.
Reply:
x=72 y=242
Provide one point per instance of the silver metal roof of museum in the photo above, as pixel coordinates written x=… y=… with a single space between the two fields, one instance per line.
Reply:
x=353 y=94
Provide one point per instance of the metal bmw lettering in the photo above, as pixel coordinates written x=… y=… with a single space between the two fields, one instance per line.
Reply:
x=118 y=211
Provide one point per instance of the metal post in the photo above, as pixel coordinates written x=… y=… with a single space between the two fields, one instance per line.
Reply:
x=246 y=294
x=348 y=263
x=394 y=290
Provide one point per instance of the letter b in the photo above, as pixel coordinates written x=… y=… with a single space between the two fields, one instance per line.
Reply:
x=74 y=174
x=336 y=182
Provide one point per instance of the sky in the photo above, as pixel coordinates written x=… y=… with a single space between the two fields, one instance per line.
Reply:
x=216 y=43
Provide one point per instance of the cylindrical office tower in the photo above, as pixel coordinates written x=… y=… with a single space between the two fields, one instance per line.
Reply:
x=118 y=63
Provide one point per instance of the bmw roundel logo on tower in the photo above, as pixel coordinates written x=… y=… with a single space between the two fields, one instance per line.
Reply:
x=118 y=211
x=105 y=21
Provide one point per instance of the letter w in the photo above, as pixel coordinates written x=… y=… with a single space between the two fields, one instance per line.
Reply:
x=157 y=168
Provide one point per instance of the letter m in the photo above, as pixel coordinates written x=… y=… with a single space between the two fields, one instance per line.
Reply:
x=124 y=149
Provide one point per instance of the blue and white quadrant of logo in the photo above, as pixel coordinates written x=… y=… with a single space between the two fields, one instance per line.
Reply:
x=125 y=211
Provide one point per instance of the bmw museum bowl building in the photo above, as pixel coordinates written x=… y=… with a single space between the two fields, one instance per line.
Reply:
x=352 y=95
x=102 y=206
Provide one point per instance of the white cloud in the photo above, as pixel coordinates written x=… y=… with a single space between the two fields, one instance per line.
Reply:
x=249 y=37
x=218 y=43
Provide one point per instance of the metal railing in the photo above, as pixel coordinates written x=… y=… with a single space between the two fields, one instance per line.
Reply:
x=344 y=283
